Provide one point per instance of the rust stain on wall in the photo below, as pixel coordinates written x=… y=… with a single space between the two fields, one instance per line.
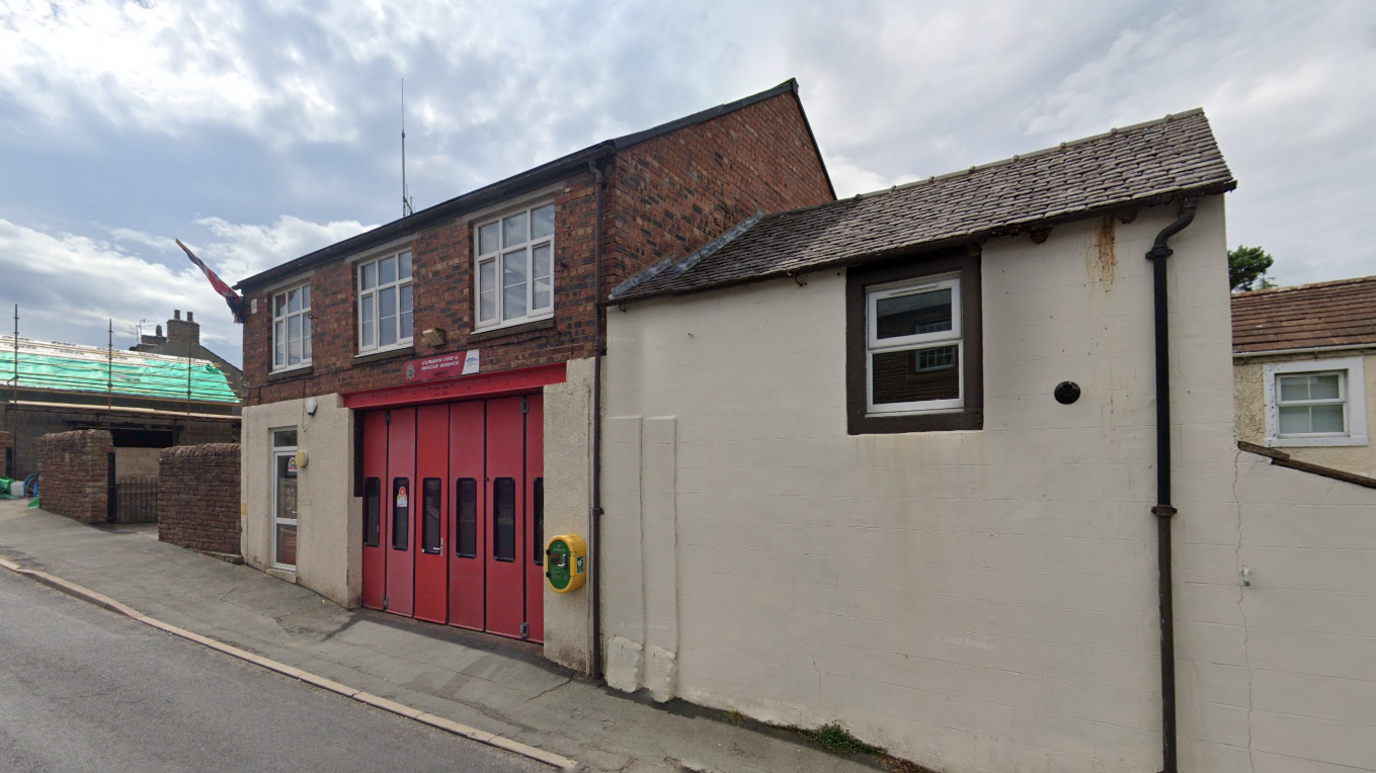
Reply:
x=1102 y=257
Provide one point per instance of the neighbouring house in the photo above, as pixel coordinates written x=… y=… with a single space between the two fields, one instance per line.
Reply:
x=183 y=339
x=146 y=401
x=953 y=465
x=422 y=397
x=1304 y=371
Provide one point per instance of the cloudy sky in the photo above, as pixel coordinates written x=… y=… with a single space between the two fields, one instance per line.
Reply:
x=258 y=131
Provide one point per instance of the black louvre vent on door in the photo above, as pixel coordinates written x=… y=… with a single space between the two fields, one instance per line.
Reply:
x=537 y=542
x=466 y=513
x=401 y=513
x=372 y=512
x=504 y=519
x=431 y=513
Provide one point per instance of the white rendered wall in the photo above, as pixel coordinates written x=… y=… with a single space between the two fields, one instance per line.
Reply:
x=329 y=553
x=976 y=601
x=568 y=471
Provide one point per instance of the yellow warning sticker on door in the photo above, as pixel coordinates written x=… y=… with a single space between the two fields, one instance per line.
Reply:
x=401 y=497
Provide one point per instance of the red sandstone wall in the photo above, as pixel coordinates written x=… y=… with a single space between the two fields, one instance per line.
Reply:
x=74 y=474
x=198 y=497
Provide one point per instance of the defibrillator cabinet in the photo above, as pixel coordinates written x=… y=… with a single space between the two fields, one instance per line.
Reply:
x=566 y=563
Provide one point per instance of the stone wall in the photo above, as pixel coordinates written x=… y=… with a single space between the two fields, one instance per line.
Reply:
x=74 y=474
x=198 y=497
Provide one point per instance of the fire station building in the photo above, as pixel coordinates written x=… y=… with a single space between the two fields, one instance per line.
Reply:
x=421 y=416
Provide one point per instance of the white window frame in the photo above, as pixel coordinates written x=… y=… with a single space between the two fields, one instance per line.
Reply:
x=285 y=320
x=875 y=345
x=1351 y=391
x=277 y=519
x=405 y=334
x=495 y=257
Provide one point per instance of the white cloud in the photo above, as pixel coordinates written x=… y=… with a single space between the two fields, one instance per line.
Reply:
x=272 y=107
x=69 y=285
x=242 y=250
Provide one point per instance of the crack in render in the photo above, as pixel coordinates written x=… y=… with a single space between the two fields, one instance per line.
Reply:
x=1241 y=610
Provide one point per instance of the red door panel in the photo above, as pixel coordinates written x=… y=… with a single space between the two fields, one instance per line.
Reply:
x=534 y=554
x=375 y=508
x=432 y=472
x=403 y=505
x=504 y=515
x=467 y=486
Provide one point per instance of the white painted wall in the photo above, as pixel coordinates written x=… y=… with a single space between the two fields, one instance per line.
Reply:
x=568 y=470
x=976 y=601
x=329 y=553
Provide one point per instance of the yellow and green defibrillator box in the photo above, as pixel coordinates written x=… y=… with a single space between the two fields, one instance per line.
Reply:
x=566 y=562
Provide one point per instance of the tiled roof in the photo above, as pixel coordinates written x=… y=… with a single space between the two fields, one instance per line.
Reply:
x=1139 y=165
x=1341 y=313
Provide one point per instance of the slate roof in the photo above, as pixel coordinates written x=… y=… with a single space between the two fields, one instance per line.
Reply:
x=1341 y=313
x=1140 y=165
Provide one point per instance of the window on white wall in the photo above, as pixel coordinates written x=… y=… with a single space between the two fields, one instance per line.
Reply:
x=515 y=267
x=1315 y=403
x=291 y=328
x=384 y=303
x=914 y=346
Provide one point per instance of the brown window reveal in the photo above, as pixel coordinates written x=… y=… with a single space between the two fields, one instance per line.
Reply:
x=923 y=374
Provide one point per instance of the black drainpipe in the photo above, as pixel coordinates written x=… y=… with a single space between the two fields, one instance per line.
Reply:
x=1163 y=509
x=601 y=349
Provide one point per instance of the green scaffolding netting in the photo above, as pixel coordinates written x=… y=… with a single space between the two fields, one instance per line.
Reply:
x=129 y=374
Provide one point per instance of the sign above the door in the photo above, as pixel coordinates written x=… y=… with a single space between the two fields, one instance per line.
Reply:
x=443 y=366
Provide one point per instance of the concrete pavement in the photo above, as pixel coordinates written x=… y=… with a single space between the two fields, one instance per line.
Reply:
x=499 y=687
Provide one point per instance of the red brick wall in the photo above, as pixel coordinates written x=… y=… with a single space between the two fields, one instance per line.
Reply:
x=198 y=497
x=74 y=471
x=679 y=191
x=666 y=196
x=442 y=287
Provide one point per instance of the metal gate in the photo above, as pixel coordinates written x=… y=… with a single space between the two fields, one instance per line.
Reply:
x=135 y=500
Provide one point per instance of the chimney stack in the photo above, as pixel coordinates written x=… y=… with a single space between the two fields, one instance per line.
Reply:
x=186 y=331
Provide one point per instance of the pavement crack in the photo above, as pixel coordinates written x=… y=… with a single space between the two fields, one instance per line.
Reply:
x=548 y=690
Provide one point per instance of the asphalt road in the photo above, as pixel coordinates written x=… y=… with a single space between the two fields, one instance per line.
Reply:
x=83 y=690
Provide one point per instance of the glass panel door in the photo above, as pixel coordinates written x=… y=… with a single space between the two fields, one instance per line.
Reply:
x=284 y=508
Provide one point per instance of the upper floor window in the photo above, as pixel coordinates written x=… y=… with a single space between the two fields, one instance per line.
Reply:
x=291 y=327
x=515 y=267
x=913 y=345
x=1316 y=403
x=384 y=303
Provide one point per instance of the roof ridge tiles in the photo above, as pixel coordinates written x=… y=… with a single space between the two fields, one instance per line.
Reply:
x=1268 y=291
x=1019 y=157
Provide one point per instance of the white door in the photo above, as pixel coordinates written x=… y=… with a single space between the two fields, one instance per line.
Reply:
x=284 y=507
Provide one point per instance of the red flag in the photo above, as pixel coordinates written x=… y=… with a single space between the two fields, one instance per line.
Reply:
x=236 y=303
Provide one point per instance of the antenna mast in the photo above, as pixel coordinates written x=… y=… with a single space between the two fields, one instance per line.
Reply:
x=405 y=193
